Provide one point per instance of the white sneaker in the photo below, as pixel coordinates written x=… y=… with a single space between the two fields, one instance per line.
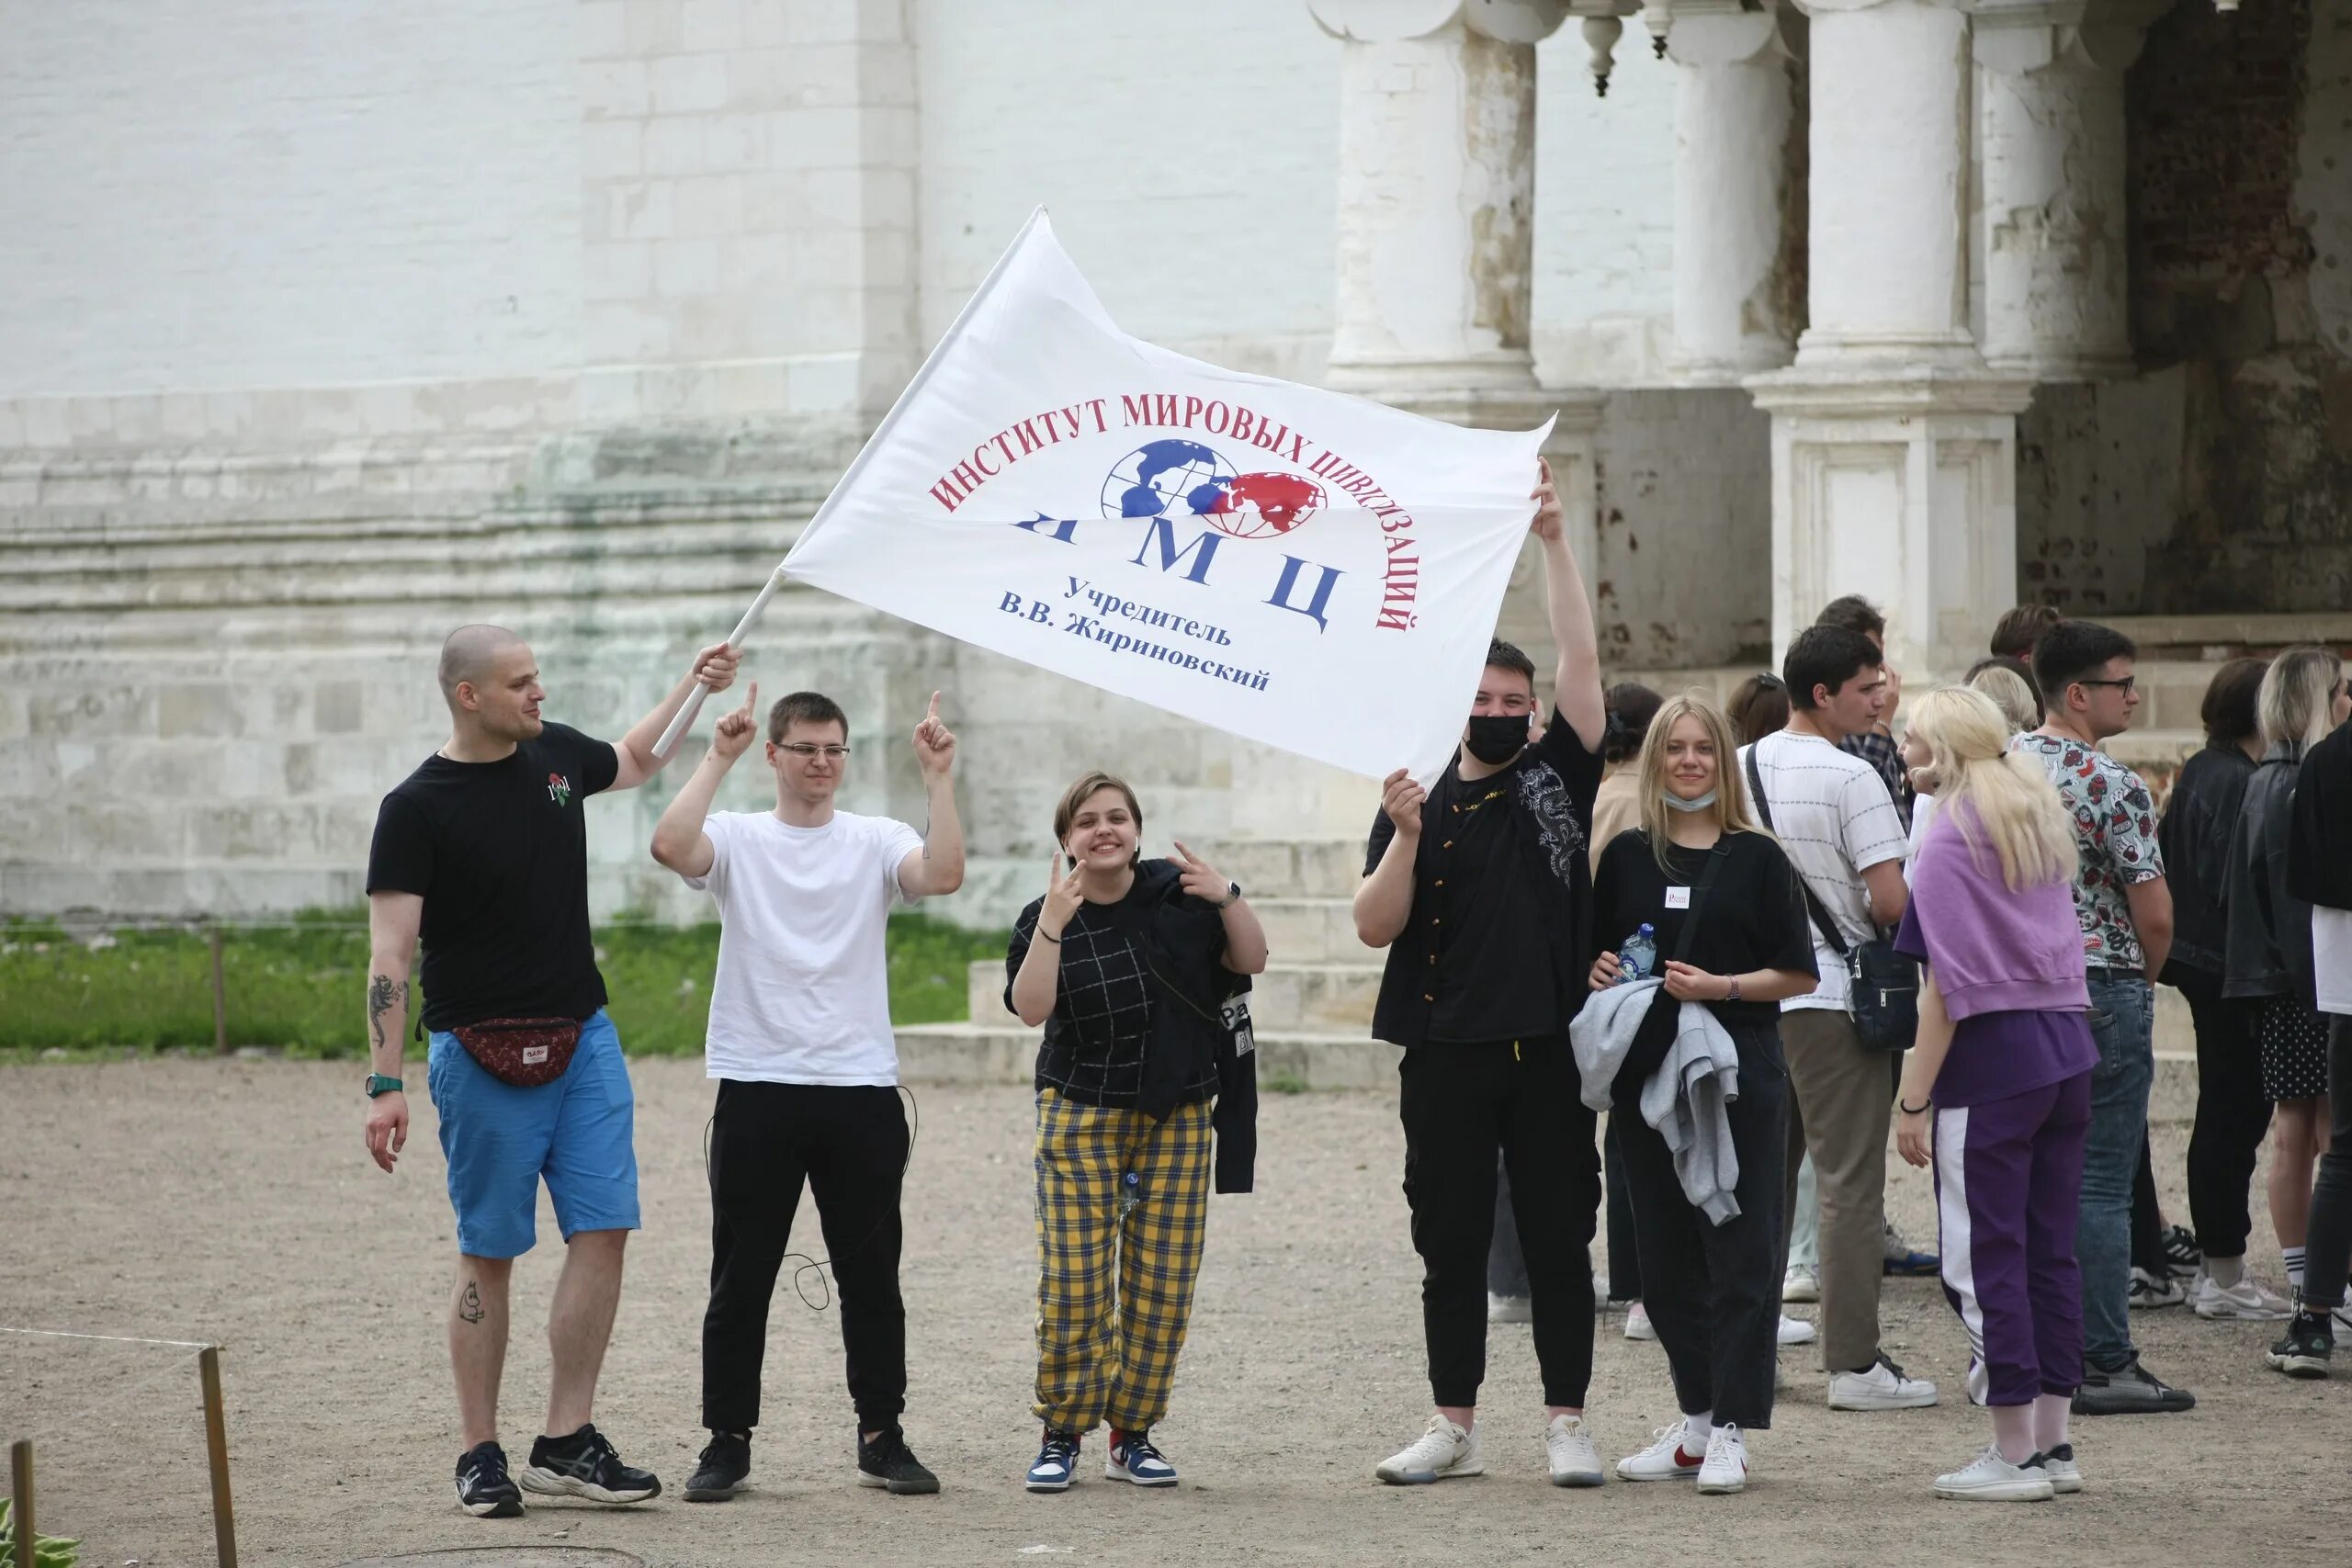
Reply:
x=1510 y=1309
x=1444 y=1451
x=2058 y=1464
x=1884 y=1387
x=1637 y=1322
x=1799 y=1285
x=1569 y=1449
x=1992 y=1479
x=1796 y=1331
x=1725 y=1468
x=2246 y=1301
x=1665 y=1460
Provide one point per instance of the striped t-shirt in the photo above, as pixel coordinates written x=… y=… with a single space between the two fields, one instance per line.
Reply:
x=1836 y=820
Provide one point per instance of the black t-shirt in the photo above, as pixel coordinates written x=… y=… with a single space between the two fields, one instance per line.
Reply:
x=1489 y=952
x=500 y=853
x=1754 y=916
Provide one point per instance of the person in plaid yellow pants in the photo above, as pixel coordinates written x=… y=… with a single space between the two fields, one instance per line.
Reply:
x=1126 y=963
x=1099 y=1358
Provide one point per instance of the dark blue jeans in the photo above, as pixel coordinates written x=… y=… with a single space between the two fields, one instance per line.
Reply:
x=2123 y=1020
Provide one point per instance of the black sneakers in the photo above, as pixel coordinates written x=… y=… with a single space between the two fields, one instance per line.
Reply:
x=584 y=1465
x=888 y=1462
x=2129 y=1390
x=2304 y=1352
x=2182 y=1255
x=484 y=1489
x=719 y=1473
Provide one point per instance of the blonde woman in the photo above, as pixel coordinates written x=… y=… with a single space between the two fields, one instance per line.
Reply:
x=1729 y=919
x=1997 y=1088
x=2015 y=696
x=1126 y=964
x=2267 y=945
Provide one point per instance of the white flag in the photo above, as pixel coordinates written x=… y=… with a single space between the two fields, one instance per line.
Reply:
x=1284 y=563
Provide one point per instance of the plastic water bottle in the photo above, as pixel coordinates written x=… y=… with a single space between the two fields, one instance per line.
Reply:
x=1637 y=959
x=1130 y=1193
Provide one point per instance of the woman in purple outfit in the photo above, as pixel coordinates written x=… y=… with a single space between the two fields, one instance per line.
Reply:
x=1997 y=1090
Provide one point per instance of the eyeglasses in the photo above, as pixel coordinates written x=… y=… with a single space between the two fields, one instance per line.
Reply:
x=2125 y=685
x=804 y=752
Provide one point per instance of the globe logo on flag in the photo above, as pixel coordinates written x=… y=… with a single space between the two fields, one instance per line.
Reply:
x=1179 y=477
x=1185 y=478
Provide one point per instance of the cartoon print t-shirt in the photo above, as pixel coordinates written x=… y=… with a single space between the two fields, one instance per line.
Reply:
x=2115 y=832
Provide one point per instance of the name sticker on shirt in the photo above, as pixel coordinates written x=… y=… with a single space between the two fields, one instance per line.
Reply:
x=1678 y=898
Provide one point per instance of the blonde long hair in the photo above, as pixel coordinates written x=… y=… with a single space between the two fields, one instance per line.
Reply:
x=1731 y=812
x=2298 y=698
x=2015 y=806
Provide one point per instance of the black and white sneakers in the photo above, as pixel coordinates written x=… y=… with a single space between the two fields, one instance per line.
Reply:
x=888 y=1463
x=2308 y=1345
x=484 y=1489
x=719 y=1474
x=584 y=1465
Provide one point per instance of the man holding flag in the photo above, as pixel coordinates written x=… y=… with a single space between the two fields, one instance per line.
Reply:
x=1480 y=887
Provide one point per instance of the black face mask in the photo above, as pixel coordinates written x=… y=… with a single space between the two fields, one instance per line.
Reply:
x=1496 y=739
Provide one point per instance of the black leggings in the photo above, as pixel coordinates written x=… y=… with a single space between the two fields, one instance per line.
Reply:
x=2327 y=1245
x=2232 y=1115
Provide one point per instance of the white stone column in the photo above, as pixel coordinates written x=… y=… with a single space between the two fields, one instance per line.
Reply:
x=1894 y=447
x=1736 y=179
x=1437 y=166
x=1886 y=260
x=2050 y=233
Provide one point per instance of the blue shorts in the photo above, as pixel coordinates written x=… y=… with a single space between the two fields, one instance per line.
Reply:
x=578 y=1132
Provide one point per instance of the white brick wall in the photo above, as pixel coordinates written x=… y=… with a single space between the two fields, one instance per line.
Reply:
x=266 y=193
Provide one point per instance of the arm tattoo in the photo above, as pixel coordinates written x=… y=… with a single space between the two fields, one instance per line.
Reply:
x=381 y=994
x=469 y=1306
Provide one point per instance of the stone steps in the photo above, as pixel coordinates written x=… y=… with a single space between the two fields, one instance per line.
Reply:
x=984 y=1054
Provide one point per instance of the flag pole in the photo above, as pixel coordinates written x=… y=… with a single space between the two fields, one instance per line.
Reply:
x=686 y=717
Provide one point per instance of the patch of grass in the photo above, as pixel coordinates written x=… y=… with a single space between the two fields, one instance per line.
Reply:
x=300 y=986
x=1281 y=1080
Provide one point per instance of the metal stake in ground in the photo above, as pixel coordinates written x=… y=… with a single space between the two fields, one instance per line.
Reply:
x=20 y=1480
x=216 y=1446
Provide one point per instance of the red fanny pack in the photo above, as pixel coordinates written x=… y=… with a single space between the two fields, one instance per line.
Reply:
x=524 y=1052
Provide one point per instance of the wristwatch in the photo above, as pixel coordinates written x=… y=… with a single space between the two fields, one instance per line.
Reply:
x=379 y=1084
x=1733 y=995
x=1233 y=896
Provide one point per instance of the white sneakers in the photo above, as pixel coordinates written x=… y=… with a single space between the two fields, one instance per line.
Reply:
x=1568 y=1448
x=1637 y=1322
x=1725 y=1470
x=1720 y=1466
x=1446 y=1450
x=1796 y=1331
x=1443 y=1452
x=1510 y=1309
x=2246 y=1300
x=1667 y=1458
x=1800 y=1284
x=1992 y=1479
x=1884 y=1387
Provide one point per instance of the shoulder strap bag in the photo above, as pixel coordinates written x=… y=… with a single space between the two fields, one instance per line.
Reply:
x=1883 y=991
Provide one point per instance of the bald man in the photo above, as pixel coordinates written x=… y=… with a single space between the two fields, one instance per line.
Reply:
x=483 y=852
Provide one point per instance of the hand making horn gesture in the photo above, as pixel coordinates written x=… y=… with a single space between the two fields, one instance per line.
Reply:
x=934 y=743
x=1202 y=880
x=733 y=735
x=1062 y=898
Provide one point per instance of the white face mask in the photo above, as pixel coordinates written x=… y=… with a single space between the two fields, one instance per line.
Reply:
x=1676 y=803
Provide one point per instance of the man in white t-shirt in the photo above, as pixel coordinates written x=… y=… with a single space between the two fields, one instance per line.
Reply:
x=1834 y=817
x=807 y=1069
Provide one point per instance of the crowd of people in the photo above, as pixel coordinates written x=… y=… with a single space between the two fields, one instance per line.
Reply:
x=1761 y=944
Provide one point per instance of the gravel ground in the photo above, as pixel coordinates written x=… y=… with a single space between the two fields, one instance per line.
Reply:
x=232 y=1201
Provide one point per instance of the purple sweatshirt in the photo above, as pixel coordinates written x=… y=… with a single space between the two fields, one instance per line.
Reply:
x=1992 y=949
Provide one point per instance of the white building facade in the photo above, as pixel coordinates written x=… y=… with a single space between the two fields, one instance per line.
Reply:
x=324 y=328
